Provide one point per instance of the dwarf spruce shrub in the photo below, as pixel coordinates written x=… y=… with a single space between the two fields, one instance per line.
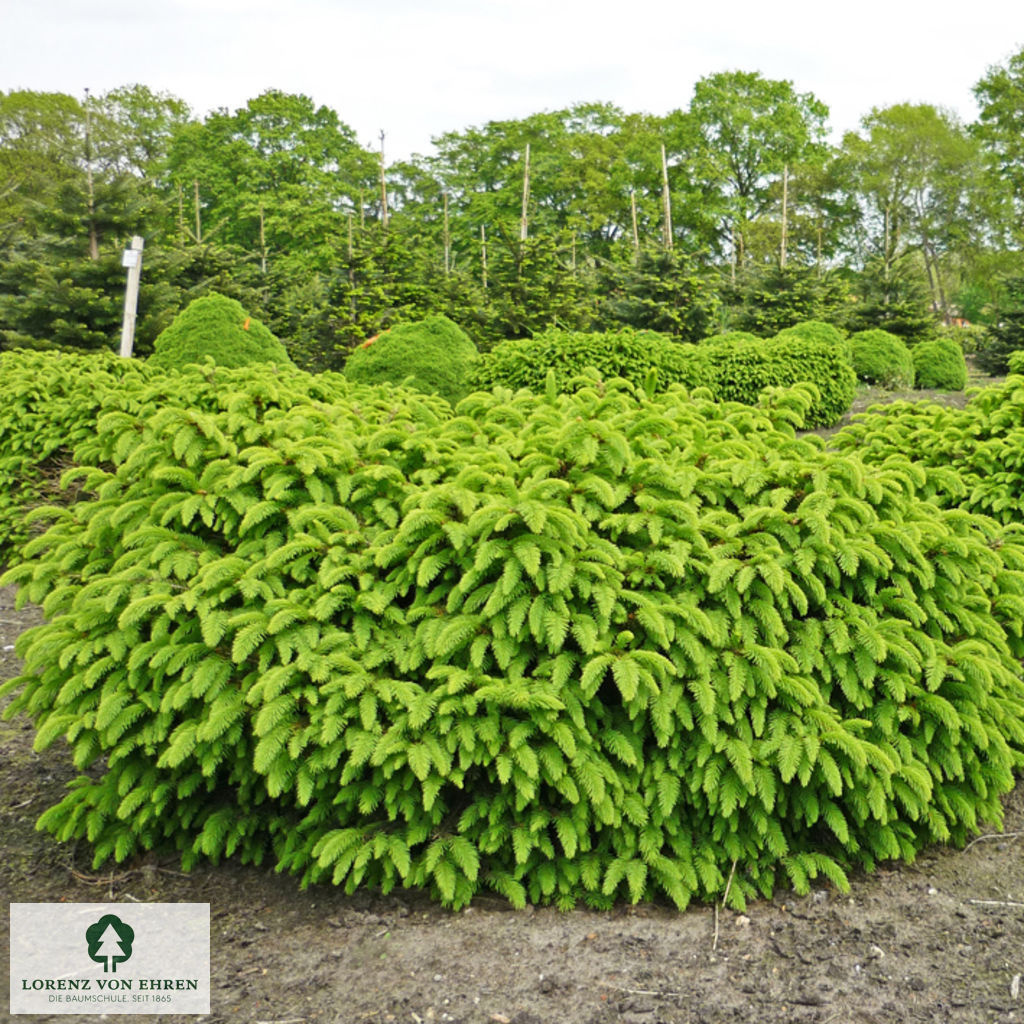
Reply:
x=1015 y=362
x=730 y=337
x=434 y=355
x=973 y=457
x=882 y=358
x=940 y=364
x=559 y=646
x=217 y=328
x=732 y=370
x=48 y=404
x=816 y=330
x=628 y=354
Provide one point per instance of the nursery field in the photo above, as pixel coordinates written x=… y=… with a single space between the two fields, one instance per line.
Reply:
x=939 y=940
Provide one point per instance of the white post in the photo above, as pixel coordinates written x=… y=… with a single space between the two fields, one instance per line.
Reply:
x=132 y=259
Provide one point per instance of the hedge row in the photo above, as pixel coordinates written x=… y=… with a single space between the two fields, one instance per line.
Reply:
x=733 y=370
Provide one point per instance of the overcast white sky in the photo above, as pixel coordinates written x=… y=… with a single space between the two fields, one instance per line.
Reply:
x=418 y=68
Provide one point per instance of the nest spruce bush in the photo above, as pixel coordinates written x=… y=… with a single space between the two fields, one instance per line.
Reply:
x=558 y=646
x=882 y=358
x=50 y=401
x=737 y=370
x=973 y=457
x=434 y=355
x=217 y=328
x=939 y=363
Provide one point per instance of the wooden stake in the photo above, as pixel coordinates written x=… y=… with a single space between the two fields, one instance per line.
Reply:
x=383 y=188
x=447 y=237
x=666 y=199
x=636 y=230
x=483 y=256
x=785 y=202
x=523 y=229
x=263 y=244
x=94 y=244
x=133 y=261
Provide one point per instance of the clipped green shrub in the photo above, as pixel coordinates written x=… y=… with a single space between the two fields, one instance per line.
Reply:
x=48 y=403
x=815 y=330
x=973 y=457
x=433 y=355
x=733 y=371
x=940 y=364
x=627 y=354
x=218 y=328
x=1015 y=361
x=561 y=646
x=882 y=358
x=742 y=370
x=970 y=337
x=731 y=337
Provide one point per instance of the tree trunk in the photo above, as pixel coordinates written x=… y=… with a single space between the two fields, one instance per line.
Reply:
x=523 y=224
x=785 y=203
x=383 y=188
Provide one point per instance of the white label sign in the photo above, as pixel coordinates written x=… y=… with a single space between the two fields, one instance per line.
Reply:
x=110 y=958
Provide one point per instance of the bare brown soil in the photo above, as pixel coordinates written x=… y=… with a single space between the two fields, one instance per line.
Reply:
x=939 y=940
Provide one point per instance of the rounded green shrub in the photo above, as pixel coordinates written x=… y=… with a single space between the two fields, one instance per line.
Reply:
x=218 y=328
x=49 y=402
x=882 y=358
x=433 y=355
x=561 y=646
x=940 y=364
x=1016 y=362
x=815 y=330
x=627 y=354
x=743 y=370
x=731 y=337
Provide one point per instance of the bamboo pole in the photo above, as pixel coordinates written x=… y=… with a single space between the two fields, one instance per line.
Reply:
x=523 y=224
x=483 y=256
x=666 y=199
x=383 y=188
x=785 y=203
x=636 y=230
x=447 y=238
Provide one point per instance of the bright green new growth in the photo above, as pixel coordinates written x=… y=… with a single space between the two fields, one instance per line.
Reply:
x=974 y=457
x=433 y=355
x=1016 y=362
x=217 y=328
x=561 y=646
x=731 y=337
x=816 y=330
x=50 y=401
x=882 y=358
x=628 y=354
x=940 y=364
x=733 y=371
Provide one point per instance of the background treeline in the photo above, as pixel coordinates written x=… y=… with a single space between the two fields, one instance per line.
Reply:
x=734 y=213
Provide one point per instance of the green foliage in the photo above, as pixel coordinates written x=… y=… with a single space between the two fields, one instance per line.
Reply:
x=573 y=646
x=882 y=358
x=732 y=371
x=816 y=330
x=970 y=337
x=627 y=353
x=217 y=328
x=973 y=457
x=940 y=364
x=769 y=299
x=730 y=338
x=1006 y=333
x=742 y=370
x=433 y=355
x=1016 y=362
x=50 y=401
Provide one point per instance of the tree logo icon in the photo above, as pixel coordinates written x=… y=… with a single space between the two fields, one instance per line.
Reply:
x=110 y=942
